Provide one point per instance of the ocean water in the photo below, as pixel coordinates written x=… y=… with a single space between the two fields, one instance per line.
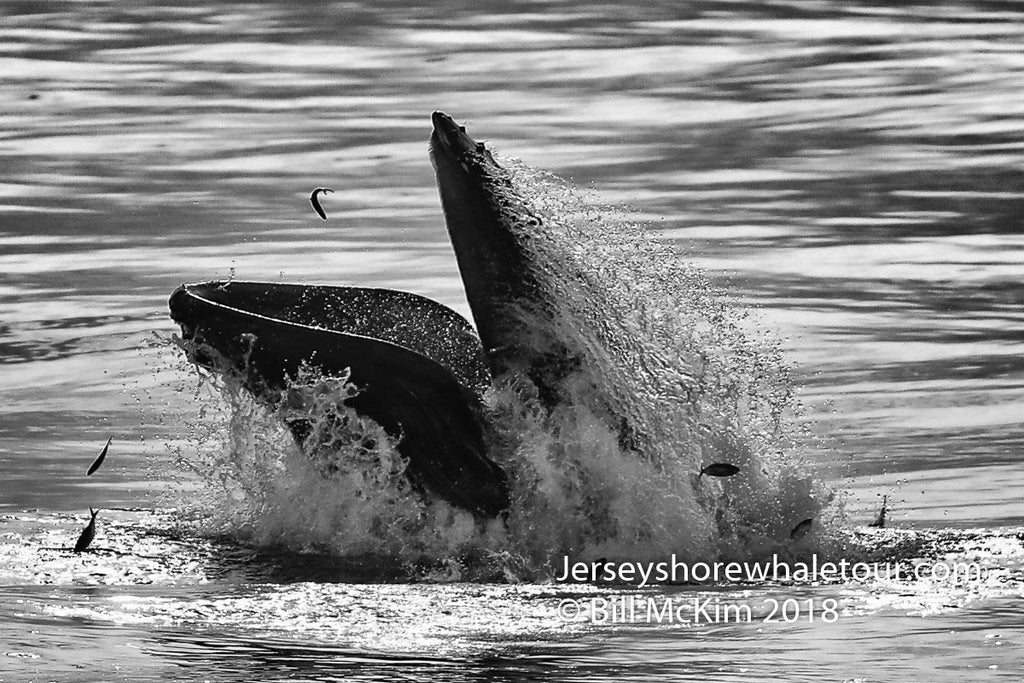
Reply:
x=830 y=192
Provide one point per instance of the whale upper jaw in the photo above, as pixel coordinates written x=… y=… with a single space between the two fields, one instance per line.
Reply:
x=453 y=136
x=490 y=226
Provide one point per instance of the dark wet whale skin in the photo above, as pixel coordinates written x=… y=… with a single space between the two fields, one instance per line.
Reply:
x=492 y=227
x=498 y=240
x=486 y=235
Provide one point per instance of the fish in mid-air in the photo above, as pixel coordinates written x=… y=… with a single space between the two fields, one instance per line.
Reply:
x=99 y=458
x=719 y=469
x=313 y=199
x=879 y=522
x=88 y=533
x=801 y=529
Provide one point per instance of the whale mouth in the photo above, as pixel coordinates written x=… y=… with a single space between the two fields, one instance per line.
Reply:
x=420 y=370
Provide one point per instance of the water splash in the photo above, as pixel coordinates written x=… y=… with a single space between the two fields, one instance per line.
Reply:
x=672 y=376
x=683 y=367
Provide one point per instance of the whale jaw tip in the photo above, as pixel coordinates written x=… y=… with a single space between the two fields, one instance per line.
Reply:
x=451 y=137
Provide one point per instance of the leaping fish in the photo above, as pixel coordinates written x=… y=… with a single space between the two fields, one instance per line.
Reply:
x=99 y=458
x=719 y=469
x=316 y=202
x=879 y=522
x=88 y=533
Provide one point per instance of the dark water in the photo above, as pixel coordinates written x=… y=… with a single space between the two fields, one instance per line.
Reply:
x=851 y=170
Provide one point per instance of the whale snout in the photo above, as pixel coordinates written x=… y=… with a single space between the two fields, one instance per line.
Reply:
x=445 y=125
x=442 y=121
x=451 y=135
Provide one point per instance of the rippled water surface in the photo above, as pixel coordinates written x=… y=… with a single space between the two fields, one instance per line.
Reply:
x=851 y=171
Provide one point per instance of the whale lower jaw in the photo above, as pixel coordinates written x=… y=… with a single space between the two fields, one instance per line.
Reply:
x=424 y=394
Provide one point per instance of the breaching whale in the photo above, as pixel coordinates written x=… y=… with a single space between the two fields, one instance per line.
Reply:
x=419 y=367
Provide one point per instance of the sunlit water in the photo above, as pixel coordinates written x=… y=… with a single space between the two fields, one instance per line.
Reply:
x=850 y=172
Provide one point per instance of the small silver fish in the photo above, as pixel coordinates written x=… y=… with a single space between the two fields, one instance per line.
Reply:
x=801 y=529
x=879 y=522
x=719 y=469
x=99 y=459
x=88 y=533
x=316 y=202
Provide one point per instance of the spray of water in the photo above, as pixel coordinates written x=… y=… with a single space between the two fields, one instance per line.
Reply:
x=671 y=377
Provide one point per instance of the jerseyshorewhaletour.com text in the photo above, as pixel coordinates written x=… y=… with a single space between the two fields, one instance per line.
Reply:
x=776 y=570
